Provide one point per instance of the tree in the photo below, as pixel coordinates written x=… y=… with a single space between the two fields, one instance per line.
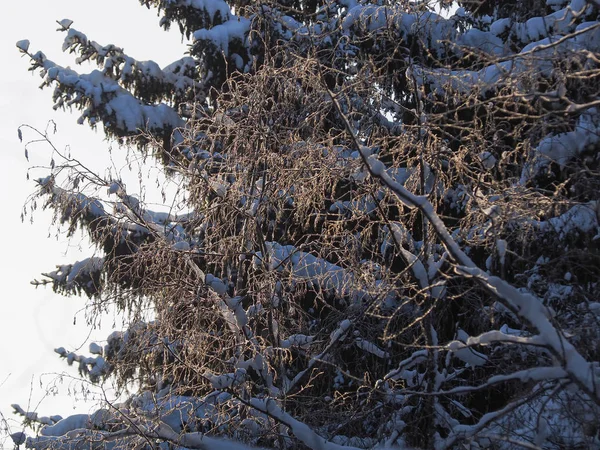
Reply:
x=388 y=234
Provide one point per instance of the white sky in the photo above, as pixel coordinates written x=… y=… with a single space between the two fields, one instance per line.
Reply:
x=35 y=321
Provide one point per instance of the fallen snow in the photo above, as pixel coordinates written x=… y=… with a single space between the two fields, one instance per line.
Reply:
x=221 y=35
x=23 y=45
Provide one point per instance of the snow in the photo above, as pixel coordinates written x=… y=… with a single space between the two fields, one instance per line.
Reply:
x=592 y=306
x=417 y=267
x=219 y=188
x=221 y=35
x=95 y=349
x=302 y=431
x=18 y=438
x=484 y=41
x=278 y=266
x=228 y=380
x=534 y=29
x=531 y=309
x=500 y=26
x=177 y=75
x=487 y=159
x=62 y=427
x=556 y=4
x=114 y=105
x=428 y=26
x=341 y=330
x=376 y=166
x=306 y=267
x=589 y=36
x=94 y=367
x=403 y=369
x=369 y=347
x=362 y=206
x=181 y=246
x=297 y=340
x=527 y=306
x=72 y=276
x=86 y=266
x=65 y=23
x=212 y=7
x=34 y=416
x=582 y=218
x=216 y=284
x=561 y=148
x=501 y=245
x=463 y=352
x=536 y=33
x=23 y=45
x=338 y=334
x=560 y=22
x=114 y=187
x=236 y=307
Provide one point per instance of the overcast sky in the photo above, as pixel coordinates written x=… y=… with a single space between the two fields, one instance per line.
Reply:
x=35 y=321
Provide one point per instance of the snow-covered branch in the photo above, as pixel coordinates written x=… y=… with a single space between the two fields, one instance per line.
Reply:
x=525 y=305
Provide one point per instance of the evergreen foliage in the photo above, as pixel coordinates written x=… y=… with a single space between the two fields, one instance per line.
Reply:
x=389 y=236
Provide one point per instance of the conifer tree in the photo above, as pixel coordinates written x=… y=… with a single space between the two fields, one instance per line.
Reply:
x=390 y=235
